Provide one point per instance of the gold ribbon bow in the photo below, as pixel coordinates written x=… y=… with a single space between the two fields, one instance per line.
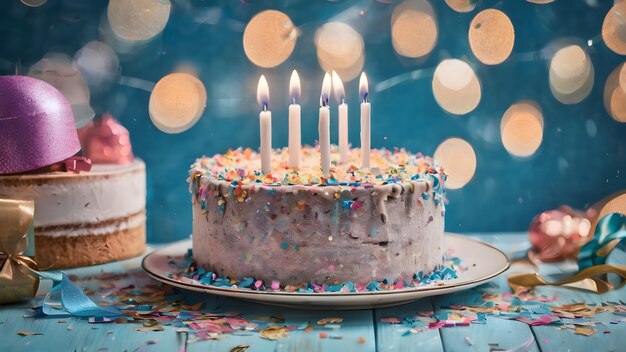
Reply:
x=18 y=282
x=590 y=279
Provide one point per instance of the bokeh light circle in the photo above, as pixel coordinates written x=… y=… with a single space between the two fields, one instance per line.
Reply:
x=521 y=128
x=571 y=74
x=340 y=48
x=456 y=87
x=138 y=20
x=414 y=28
x=458 y=160
x=614 y=28
x=99 y=65
x=462 y=5
x=491 y=36
x=33 y=3
x=615 y=96
x=177 y=102
x=269 y=38
x=622 y=78
x=60 y=71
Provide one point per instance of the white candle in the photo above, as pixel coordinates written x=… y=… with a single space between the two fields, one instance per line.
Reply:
x=342 y=110
x=365 y=123
x=294 y=121
x=324 y=126
x=265 y=121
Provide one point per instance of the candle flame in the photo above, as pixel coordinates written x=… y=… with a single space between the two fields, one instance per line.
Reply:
x=326 y=86
x=340 y=94
x=294 y=87
x=363 y=92
x=263 y=93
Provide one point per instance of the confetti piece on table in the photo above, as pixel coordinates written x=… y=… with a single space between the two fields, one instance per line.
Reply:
x=329 y=320
x=28 y=333
x=323 y=335
x=273 y=333
x=362 y=340
x=582 y=330
x=239 y=348
x=391 y=320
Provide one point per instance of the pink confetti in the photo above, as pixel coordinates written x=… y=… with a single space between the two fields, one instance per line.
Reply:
x=391 y=320
x=275 y=285
x=258 y=283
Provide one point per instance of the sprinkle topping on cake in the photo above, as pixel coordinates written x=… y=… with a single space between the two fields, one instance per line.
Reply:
x=388 y=167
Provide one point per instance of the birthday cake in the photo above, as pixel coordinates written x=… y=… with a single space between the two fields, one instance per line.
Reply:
x=293 y=227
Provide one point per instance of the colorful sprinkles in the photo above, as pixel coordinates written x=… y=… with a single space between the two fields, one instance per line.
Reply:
x=184 y=269
x=240 y=167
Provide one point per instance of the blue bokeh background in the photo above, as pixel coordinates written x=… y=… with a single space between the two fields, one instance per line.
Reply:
x=581 y=159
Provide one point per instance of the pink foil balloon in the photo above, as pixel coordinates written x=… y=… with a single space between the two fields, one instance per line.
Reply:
x=559 y=234
x=106 y=142
x=36 y=125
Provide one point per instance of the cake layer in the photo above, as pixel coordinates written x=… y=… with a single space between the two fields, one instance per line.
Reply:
x=356 y=225
x=68 y=252
x=106 y=193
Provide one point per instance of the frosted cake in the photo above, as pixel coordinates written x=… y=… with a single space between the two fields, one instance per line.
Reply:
x=85 y=218
x=296 y=227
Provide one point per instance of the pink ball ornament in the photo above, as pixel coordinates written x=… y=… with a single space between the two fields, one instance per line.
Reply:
x=559 y=234
x=36 y=124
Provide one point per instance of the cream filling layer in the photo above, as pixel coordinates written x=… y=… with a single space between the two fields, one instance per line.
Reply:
x=98 y=230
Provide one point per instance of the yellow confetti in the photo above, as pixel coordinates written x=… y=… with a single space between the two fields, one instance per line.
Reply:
x=28 y=333
x=273 y=333
x=583 y=330
x=239 y=348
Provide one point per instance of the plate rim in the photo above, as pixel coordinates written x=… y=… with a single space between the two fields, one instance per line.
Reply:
x=234 y=291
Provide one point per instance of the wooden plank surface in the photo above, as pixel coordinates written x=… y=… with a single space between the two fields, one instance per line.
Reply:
x=356 y=331
x=609 y=337
x=398 y=337
x=359 y=331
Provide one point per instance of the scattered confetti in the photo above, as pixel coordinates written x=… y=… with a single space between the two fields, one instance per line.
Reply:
x=28 y=333
x=361 y=340
x=239 y=348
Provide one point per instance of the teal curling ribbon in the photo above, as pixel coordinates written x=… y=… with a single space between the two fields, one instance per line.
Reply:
x=70 y=299
x=611 y=227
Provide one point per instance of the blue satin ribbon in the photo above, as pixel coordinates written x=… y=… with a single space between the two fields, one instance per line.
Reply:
x=611 y=227
x=66 y=299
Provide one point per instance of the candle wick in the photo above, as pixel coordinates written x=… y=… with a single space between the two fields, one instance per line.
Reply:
x=293 y=100
x=365 y=96
x=264 y=106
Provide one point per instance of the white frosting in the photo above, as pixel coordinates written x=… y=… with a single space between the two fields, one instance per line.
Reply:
x=61 y=198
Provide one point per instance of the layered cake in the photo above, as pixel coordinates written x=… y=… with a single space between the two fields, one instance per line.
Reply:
x=296 y=227
x=84 y=218
x=89 y=209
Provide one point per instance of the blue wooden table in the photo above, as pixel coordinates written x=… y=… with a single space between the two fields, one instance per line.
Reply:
x=360 y=330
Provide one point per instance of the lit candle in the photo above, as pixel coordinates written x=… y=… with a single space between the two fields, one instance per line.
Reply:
x=342 y=110
x=294 y=121
x=265 y=121
x=324 y=126
x=365 y=123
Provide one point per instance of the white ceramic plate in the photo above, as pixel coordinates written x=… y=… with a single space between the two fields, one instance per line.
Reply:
x=483 y=262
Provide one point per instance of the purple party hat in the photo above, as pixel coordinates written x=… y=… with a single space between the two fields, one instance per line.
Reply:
x=36 y=125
